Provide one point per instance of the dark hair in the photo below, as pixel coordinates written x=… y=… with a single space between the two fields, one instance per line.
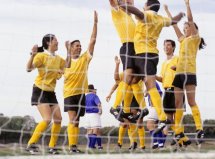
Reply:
x=202 y=42
x=154 y=5
x=74 y=41
x=172 y=43
x=47 y=38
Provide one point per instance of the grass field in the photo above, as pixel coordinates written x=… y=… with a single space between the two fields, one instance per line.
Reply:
x=207 y=150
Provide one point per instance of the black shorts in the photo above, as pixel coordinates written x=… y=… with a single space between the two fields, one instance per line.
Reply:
x=181 y=80
x=75 y=103
x=146 y=64
x=169 y=101
x=127 y=54
x=40 y=97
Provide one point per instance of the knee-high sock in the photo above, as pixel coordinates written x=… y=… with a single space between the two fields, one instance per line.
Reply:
x=71 y=134
x=141 y=133
x=76 y=135
x=54 y=134
x=133 y=133
x=178 y=121
x=154 y=140
x=127 y=100
x=157 y=103
x=139 y=95
x=99 y=141
x=40 y=128
x=197 y=117
x=121 y=134
x=122 y=88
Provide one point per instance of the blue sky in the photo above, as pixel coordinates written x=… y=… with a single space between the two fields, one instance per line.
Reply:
x=24 y=22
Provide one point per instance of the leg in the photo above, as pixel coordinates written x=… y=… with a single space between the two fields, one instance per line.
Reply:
x=56 y=127
x=45 y=112
x=155 y=97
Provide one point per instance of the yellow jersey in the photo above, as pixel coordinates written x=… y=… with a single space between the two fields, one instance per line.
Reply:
x=49 y=70
x=75 y=77
x=147 y=32
x=124 y=25
x=167 y=73
x=187 y=55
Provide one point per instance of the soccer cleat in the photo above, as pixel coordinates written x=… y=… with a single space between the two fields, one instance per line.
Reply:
x=32 y=149
x=142 y=149
x=141 y=113
x=116 y=114
x=53 y=151
x=162 y=125
x=100 y=148
x=199 y=136
x=133 y=147
x=155 y=146
x=74 y=149
x=129 y=116
x=181 y=140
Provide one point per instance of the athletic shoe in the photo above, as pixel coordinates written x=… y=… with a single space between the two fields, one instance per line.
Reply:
x=116 y=114
x=129 y=116
x=142 y=149
x=33 y=149
x=141 y=114
x=155 y=146
x=100 y=148
x=199 y=136
x=133 y=147
x=53 y=151
x=162 y=125
x=74 y=149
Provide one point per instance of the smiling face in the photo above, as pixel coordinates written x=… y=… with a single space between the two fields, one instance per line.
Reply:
x=168 y=48
x=53 y=45
x=187 y=30
x=76 y=49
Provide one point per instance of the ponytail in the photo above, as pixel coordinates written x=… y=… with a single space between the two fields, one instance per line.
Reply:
x=202 y=44
x=46 y=39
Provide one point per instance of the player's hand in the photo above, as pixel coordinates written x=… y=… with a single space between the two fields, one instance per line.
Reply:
x=187 y=2
x=95 y=17
x=67 y=45
x=34 y=50
x=100 y=111
x=165 y=7
x=108 y=98
x=173 y=68
x=117 y=60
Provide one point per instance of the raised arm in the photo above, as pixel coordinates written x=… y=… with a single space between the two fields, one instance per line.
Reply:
x=194 y=30
x=132 y=10
x=175 y=26
x=93 y=35
x=30 y=66
x=111 y=92
x=116 y=71
x=68 y=57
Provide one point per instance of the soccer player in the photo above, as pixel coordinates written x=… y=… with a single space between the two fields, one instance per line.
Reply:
x=129 y=104
x=167 y=76
x=185 y=79
x=50 y=67
x=93 y=119
x=76 y=84
x=147 y=32
x=157 y=139
x=125 y=27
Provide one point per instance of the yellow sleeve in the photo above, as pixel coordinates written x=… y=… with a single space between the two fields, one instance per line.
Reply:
x=162 y=71
x=38 y=60
x=87 y=56
x=116 y=12
x=166 y=21
x=62 y=64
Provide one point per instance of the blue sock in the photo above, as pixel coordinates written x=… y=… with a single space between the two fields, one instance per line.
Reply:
x=99 y=141
x=164 y=139
x=154 y=137
x=89 y=140
x=160 y=139
x=93 y=143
